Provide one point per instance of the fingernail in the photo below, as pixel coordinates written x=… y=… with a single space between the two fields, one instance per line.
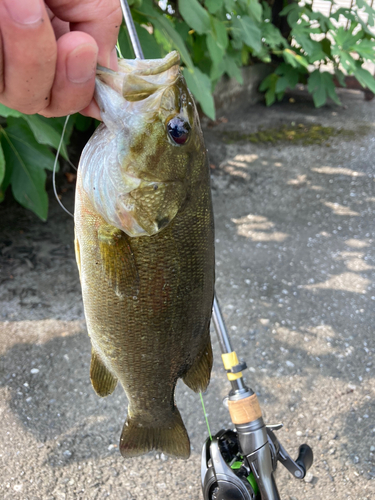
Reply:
x=81 y=63
x=23 y=12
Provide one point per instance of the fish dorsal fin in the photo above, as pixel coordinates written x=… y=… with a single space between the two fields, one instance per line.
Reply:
x=118 y=261
x=103 y=382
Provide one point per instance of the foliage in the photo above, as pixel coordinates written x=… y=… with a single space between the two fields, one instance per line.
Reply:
x=25 y=154
x=213 y=37
x=216 y=37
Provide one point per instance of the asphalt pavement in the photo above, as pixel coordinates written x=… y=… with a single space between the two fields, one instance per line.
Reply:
x=295 y=278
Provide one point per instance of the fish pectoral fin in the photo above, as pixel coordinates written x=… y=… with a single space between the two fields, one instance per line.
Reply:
x=198 y=375
x=102 y=380
x=171 y=438
x=118 y=261
x=157 y=204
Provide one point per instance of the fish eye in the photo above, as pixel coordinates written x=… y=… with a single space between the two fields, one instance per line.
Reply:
x=178 y=130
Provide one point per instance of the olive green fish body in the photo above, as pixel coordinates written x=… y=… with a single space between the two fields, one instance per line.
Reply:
x=147 y=262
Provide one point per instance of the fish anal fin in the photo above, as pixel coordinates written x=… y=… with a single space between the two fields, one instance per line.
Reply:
x=103 y=382
x=171 y=438
x=118 y=261
x=198 y=375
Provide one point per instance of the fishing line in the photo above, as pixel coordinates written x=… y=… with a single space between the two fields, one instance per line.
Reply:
x=55 y=166
x=205 y=416
x=119 y=50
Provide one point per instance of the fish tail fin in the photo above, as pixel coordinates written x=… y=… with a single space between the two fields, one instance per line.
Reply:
x=198 y=375
x=170 y=438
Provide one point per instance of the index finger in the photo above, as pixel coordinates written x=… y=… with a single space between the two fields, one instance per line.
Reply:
x=99 y=18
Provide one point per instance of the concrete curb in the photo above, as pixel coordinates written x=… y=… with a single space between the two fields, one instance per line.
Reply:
x=228 y=90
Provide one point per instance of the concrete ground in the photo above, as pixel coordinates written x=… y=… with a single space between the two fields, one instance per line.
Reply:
x=296 y=282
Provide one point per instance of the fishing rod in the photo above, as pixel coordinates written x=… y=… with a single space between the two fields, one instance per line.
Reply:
x=238 y=465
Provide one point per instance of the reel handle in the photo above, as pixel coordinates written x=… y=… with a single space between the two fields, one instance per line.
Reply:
x=305 y=457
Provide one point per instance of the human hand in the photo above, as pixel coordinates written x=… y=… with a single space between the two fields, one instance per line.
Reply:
x=49 y=51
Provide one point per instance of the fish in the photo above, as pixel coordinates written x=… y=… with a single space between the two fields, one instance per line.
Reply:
x=144 y=243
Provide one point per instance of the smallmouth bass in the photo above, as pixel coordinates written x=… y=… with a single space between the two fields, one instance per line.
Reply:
x=144 y=242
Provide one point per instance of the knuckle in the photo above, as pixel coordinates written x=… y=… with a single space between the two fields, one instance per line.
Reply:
x=111 y=10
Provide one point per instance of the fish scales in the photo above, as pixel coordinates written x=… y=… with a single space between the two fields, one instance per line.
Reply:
x=145 y=249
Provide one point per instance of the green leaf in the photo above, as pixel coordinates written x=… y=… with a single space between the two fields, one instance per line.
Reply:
x=327 y=82
x=365 y=78
x=230 y=5
x=217 y=70
x=200 y=86
x=289 y=77
x=245 y=29
x=340 y=77
x=2 y=165
x=326 y=46
x=319 y=97
x=366 y=49
x=321 y=85
x=311 y=47
x=27 y=160
x=151 y=50
x=273 y=37
x=219 y=32
x=163 y=41
x=255 y=10
x=293 y=13
x=270 y=97
x=346 y=60
x=263 y=54
x=82 y=123
x=294 y=59
x=213 y=5
x=367 y=8
x=4 y=111
x=281 y=84
x=324 y=21
x=345 y=40
x=216 y=53
x=290 y=73
x=232 y=69
x=45 y=132
x=166 y=28
x=195 y=15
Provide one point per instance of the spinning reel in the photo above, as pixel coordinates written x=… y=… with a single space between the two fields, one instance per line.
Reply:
x=228 y=475
x=240 y=465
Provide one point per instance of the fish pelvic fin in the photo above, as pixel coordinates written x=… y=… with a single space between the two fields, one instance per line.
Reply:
x=102 y=380
x=118 y=261
x=199 y=374
x=170 y=437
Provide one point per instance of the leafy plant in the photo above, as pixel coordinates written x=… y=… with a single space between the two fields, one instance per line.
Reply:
x=25 y=155
x=214 y=38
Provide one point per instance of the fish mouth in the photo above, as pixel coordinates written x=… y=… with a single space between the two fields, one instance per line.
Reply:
x=137 y=79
